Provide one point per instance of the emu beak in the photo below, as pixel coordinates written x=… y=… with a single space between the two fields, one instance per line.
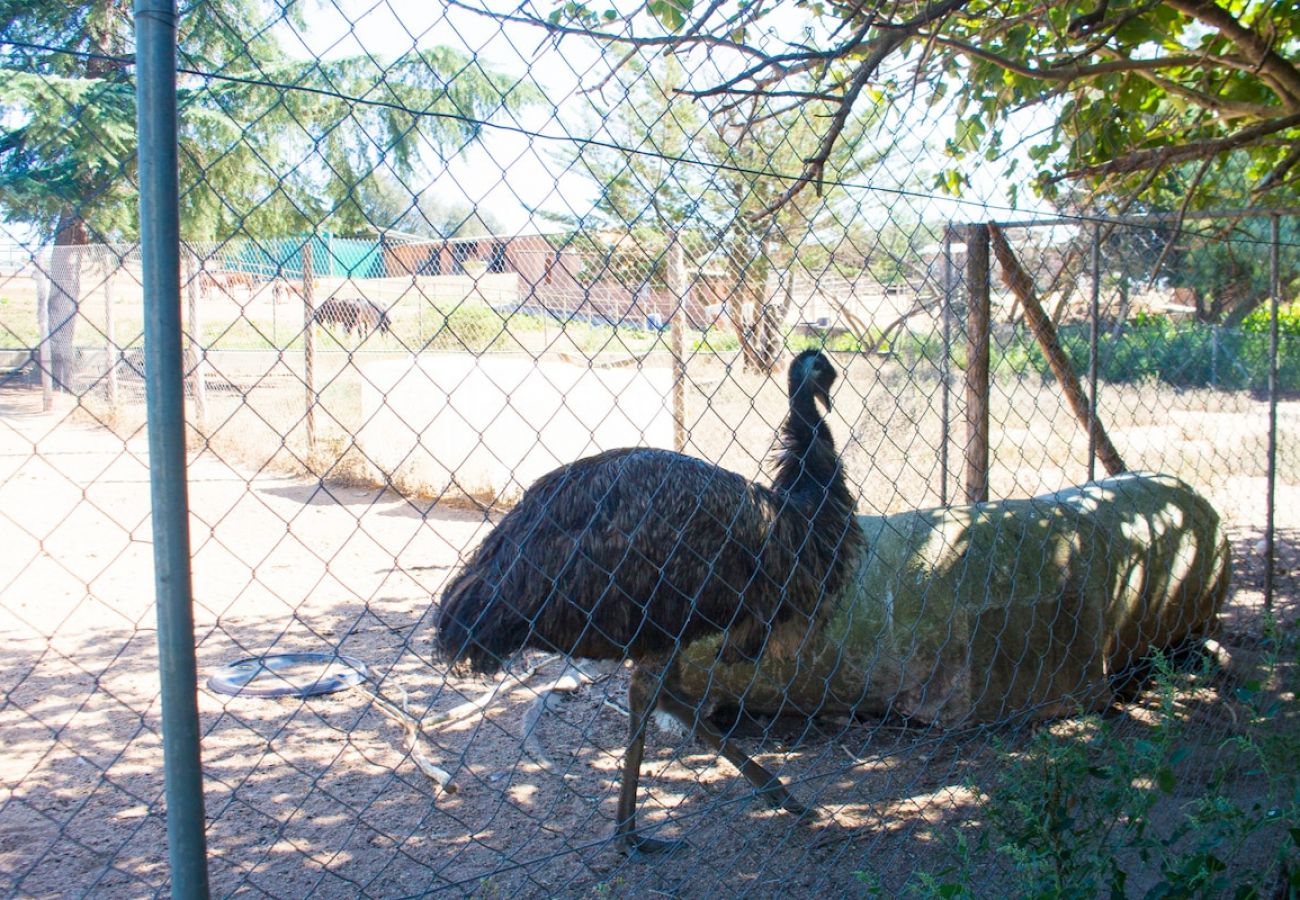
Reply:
x=824 y=395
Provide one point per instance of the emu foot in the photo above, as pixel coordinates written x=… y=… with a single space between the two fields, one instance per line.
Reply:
x=636 y=845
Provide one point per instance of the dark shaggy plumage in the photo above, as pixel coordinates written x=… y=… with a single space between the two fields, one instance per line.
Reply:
x=632 y=553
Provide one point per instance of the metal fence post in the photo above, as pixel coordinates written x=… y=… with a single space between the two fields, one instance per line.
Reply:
x=155 y=22
x=977 y=363
x=1275 y=295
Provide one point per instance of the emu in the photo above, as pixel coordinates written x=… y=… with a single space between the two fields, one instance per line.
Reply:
x=635 y=553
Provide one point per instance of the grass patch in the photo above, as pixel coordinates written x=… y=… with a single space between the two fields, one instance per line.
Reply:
x=1099 y=807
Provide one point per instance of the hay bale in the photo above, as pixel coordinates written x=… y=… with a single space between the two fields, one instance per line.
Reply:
x=1017 y=608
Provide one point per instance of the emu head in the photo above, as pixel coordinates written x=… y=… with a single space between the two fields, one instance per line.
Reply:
x=811 y=371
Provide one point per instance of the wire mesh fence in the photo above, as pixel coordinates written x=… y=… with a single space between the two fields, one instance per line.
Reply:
x=430 y=258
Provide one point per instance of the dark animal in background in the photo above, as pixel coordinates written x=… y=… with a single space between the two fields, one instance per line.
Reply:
x=351 y=314
x=225 y=282
x=336 y=312
x=633 y=554
x=282 y=289
x=371 y=318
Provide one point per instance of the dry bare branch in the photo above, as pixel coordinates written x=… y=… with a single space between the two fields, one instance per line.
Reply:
x=565 y=684
x=414 y=735
x=468 y=709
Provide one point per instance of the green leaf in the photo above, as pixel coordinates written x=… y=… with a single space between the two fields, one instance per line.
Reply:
x=671 y=13
x=1166 y=780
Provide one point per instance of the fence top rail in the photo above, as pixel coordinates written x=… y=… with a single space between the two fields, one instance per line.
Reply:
x=1144 y=218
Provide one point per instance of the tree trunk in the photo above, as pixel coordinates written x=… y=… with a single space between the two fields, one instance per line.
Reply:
x=1032 y=608
x=759 y=325
x=64 y=297
x=1238 y=313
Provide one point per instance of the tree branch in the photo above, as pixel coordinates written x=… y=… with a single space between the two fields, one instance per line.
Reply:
x=1169 y=155
x=1073 y=72
x=1279 y=173
x=1278 y=71
x=893 y=36
x=1220 y=106
x=670 y=41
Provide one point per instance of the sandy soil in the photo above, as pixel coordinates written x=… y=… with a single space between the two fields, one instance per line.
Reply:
x=318 y=797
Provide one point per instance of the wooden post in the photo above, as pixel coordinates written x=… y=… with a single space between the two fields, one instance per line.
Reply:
x=43 y=337
x=1270 y=499
x=945 y=364
x=308 y=346
x=679 y=290
x=1094 y=324
x=196 y=360
x=977 y=363
x=1019 y=281
x=110 y=332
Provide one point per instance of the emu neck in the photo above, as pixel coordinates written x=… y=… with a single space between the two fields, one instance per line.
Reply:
x=807 y=462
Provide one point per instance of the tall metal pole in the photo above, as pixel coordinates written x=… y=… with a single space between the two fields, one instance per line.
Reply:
x=1094 y=314
x=977 y=363
x=1275 y=294
x=155 y=22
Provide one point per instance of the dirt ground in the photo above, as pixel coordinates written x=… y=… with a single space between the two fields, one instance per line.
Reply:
x=319 y=798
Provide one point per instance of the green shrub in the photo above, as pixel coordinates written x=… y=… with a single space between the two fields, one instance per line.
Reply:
x=1152 y=348
x=1288 y=320
x=473 y=327
x=716 y=340
x=1073 y=811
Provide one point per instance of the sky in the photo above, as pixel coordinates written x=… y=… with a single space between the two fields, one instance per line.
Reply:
x=509 y=174
x=515 y=172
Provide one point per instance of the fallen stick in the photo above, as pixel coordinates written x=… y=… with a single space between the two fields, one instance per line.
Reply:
x=469 y=708
x=411 y=725
x=565 y=684
x=415 y=729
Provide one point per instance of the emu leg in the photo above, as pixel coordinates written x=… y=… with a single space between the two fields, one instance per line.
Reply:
x=769 y=786
x=642 y=692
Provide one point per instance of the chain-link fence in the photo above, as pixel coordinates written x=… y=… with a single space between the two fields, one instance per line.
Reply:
x=428 y=256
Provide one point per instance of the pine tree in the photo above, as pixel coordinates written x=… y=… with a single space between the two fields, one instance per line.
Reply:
x=270 y=144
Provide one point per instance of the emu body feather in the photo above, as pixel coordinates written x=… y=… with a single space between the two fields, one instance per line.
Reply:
x=634 y=554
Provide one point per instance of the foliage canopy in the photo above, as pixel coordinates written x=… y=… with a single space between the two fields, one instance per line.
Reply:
x=270 y=143
x=1155 y=102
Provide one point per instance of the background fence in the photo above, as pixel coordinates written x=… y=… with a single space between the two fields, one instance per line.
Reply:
x=372 y=380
